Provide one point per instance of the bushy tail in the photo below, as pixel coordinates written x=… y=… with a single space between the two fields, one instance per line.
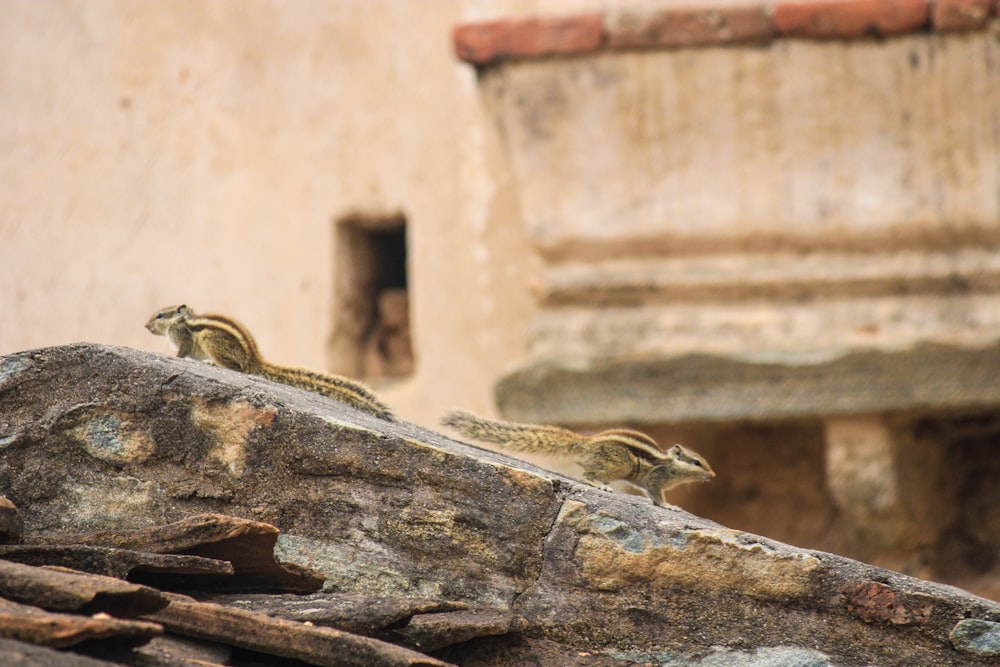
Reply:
x=339 y=388
x=530 y=438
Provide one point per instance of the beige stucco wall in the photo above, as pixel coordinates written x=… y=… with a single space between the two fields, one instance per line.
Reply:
x=199 y=152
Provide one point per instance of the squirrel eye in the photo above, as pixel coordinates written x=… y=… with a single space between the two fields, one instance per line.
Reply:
x=697 y=463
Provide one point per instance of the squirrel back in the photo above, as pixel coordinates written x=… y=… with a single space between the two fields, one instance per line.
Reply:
x=528 y=438
x=339 y=388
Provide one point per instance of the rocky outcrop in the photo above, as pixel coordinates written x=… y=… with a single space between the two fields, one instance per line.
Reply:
x=101 y=440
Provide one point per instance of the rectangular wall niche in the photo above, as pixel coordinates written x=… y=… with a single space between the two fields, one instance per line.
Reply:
x=371 y=335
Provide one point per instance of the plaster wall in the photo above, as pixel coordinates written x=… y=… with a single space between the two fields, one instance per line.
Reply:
x=200 y=152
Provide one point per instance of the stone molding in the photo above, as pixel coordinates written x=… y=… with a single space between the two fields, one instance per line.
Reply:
x=665 y=25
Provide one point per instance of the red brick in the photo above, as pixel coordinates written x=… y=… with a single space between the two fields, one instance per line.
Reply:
x=845 y=19
x=955 y=15
x=488 y=42
x=654 y=27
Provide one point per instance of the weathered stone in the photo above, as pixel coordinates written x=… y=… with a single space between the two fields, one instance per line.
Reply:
x=169 y=651
x=56 y=630
x=361 y=614
x=247 y=545
x=21 y=654
x=11 y=523
x=317 y=469
x=727 y=153
x=976 y=636
x=67 y=590
x=393 y=510
x=111 y=562
x=863 y=480
x=431 y=632
x=317 y=646
x=702 y=387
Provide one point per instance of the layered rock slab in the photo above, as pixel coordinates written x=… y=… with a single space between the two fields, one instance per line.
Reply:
x=101 y=438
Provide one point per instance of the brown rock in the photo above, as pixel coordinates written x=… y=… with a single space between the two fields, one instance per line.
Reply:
x=847 y=19
x=274 y=636
x=21 y=654
x=111 y=562
x=247 y=545
x=431 y=632
x=169 y=651
x=67 y=590
x=361 y=614
x=11 y=523
x=33 y=625
x=392 y=510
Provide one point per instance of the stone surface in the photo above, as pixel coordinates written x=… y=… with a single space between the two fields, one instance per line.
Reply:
x=11 y=524
x=392 y=509
x=432 y=632
x=68 y=590
x=361 y=614
x=170 y=651
x=731 y=153
x=489 y=42
x=865 y=480
x=957 y=15
x=21 y=654
x=977 y=637
x=677 y=27
x=57 y=630
x=702 y=388
x=843 y=19
x=110 y=562
x=248 y=546
x=325 y=647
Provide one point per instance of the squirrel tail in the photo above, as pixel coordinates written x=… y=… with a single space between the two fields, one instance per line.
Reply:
x=337 y=387
x=529 y=438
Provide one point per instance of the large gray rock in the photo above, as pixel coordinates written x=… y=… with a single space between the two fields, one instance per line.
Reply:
x=99 y=438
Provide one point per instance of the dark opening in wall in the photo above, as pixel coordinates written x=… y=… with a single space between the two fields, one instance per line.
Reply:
x=371 y=336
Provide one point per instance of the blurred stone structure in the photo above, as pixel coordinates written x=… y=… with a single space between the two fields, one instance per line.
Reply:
x=773 y=237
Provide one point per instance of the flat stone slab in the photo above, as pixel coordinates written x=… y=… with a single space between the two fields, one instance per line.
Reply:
x=708 y=388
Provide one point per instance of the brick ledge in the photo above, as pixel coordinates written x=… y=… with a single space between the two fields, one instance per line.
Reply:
x=672 y=26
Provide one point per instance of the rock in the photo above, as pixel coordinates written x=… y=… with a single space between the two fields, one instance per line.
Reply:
x=111 y=562
x=362 y=614
x=314 y=645
x=109 y=439
x=20 y=654
x=67 y=590
x=248 y=546
x=56 y=630
x=11 y=524
x=978 y=637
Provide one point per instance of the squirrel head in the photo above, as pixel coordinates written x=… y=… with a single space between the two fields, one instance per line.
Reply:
x=162 y=319
x=679 y=466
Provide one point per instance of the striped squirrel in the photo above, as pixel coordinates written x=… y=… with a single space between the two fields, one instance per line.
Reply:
x=616 y=454
x=225 y=342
